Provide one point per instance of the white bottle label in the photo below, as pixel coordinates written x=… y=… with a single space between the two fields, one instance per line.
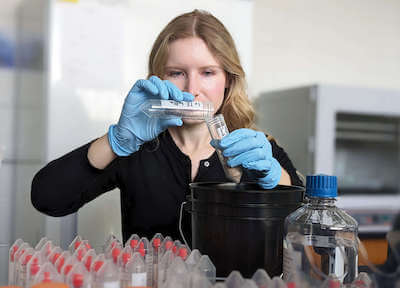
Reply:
x=170 y=104
x=139 y=279
x=111 y=284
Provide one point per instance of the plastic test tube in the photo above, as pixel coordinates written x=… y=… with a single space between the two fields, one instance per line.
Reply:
x=218 y=130
x=169 y=108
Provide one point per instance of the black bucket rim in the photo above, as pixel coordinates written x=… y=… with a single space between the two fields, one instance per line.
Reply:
x=228 y=186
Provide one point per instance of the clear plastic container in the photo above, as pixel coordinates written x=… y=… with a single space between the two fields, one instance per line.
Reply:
x=144 y=248
x=135 y=272
x=320 y=239
x=59 y=264
x=79 y=277
x=21 y=271
x=110 y=243
x=47 y=273
x=207 y=268
x=107 y=276
x=89 y=258
x=163 y=265
x=133 y=241
x=75 y=244
x=97 y=263
x=218 y=130
x=193 y=259
x=11 y=256
x=55 y=253
x=157 y=108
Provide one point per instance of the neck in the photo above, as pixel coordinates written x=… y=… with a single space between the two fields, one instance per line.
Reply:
x=191 y=137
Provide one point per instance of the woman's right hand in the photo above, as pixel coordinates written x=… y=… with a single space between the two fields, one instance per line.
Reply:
x=134 y=127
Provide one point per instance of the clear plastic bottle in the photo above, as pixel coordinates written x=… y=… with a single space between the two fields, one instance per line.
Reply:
x=107 y=276
x=320 y=239
x=218 y=130
x=169 y=108
x=11 y=259
x=134 y=274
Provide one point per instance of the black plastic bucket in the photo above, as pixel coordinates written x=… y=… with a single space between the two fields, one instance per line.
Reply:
x=240 y=226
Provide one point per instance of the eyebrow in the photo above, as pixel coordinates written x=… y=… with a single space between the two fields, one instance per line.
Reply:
x=203 y=67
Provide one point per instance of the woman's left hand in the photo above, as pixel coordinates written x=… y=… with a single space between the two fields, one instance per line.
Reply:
x=252 y=150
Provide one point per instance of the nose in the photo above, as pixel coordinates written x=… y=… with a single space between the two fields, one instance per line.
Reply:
x=192 y=85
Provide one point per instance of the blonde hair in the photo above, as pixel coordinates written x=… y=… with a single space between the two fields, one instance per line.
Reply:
x=236 y=107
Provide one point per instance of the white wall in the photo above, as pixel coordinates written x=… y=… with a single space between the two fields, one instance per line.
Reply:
x=321 y=41
x=7 y=143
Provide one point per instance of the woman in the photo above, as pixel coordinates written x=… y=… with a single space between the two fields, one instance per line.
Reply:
x=152 y=161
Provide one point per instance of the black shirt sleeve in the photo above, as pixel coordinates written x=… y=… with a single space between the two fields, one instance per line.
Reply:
x=66 y=184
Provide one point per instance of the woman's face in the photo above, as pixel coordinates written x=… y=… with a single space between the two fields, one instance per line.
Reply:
x=192 y=68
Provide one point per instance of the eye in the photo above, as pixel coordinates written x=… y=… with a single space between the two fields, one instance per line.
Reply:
x=208 y=72
x=174 y=73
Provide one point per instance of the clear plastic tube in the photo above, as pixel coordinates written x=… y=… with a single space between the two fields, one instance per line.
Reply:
x=218 y=130
x=157 y=108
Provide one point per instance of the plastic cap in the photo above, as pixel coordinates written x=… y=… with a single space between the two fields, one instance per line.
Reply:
x=168 y=245
x=97 y=265
x=133 y=243
x=26 y=260
x=76 y=244
x=88 y=262
x=334 y=284
x=183 y=253
x=60 y=263
x=14 y=249
x=126 y=257
x=115 y=253
x=35 y=267
x=323 y=186
x=67 y=269
x=156 y=242
x=81 y=252
x=47 y=277
x=77 y=280
x=55 y=257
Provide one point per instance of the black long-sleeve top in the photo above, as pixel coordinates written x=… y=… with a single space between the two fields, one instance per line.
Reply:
x=153 y=183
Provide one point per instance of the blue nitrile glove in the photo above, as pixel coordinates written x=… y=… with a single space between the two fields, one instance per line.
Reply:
x=252 y=150
x=134 y=127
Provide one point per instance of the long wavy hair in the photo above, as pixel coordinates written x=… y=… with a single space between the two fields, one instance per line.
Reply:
x=236 y=107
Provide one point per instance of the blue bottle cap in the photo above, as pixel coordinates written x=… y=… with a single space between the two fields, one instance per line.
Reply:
x=321 y=185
